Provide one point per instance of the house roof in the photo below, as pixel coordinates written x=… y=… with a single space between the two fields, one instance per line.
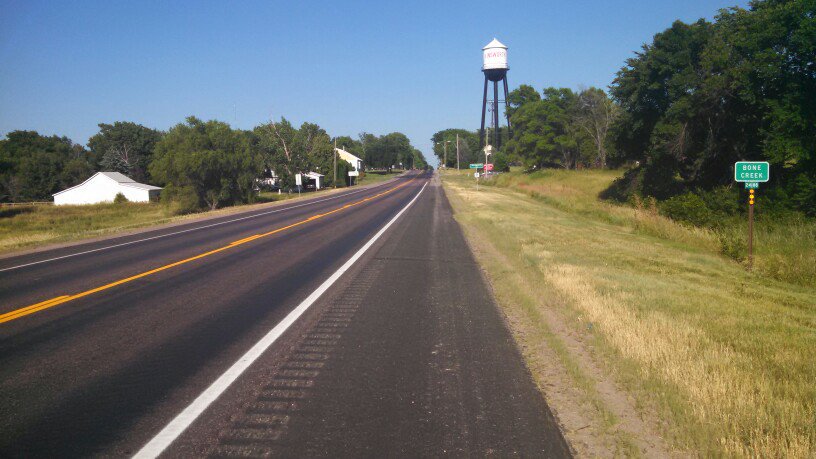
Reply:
x=313 y=174
x=118 y=177
x=121 y=179
x=347 y=156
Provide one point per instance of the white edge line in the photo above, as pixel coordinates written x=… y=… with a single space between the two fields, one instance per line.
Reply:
x=189 y=230
x=183 y=420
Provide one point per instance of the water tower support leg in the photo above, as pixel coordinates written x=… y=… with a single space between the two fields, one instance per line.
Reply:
x=496 y=113
x=484 y=106
x=506 y=107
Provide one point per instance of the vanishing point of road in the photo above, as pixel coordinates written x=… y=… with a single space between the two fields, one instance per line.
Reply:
x=346 y=325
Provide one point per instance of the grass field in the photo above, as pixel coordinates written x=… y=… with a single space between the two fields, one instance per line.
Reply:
x=30 y=226
x=374 y=177
x=725 y=356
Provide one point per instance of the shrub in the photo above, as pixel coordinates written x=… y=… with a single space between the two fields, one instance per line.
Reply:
x=500 y=162
x=181 y=200
x=733 y=245
x=688 y=208
x=120 y=198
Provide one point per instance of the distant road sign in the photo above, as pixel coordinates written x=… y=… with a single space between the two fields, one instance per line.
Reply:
x=751 y=185
x=752 y=171
x=488 y=167
x=477 y=166
x=476 y=174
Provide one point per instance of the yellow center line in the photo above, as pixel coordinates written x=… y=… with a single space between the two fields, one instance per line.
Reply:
x=31 y=309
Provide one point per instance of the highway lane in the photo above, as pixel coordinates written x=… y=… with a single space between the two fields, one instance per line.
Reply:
x=31 y=278
x=406 y=355
x=82 y=377
x=24 y=283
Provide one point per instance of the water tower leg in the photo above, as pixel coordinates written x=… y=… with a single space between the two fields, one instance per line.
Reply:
x=506 y=107
x=496 y=113
x=484 y=105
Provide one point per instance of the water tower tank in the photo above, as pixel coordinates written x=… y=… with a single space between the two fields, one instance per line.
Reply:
x=494 y=57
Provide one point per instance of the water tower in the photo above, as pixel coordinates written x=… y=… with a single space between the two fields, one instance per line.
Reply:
x=495 y=69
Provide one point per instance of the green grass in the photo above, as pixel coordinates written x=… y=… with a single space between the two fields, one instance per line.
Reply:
x=374 y=177
x=24 y=227
x=726 y=355
x=30 y=226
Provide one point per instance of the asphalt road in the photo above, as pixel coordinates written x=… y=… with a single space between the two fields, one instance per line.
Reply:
x=405 y=354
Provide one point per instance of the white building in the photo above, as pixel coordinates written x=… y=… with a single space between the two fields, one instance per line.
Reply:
x=356 y=163
x=103 y=187
x=318 y=179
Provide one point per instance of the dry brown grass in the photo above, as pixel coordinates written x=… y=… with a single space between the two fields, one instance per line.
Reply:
x=726 y=355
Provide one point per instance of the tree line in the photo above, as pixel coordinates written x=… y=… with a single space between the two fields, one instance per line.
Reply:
x=201 y=164
x=698 y=98
x=557 y=128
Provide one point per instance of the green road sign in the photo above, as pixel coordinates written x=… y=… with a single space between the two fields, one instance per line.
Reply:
x=752 y=171
x=751 y=185
x=477 y=166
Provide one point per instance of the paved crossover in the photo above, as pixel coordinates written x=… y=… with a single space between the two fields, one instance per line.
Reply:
x=133 y=346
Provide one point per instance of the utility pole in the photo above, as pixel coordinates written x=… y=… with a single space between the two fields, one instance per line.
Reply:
x=445 y=146
x=335 y=162
x=457 y=151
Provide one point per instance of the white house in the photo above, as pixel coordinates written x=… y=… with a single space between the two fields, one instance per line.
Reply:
x=103 y=187
x=356 y=163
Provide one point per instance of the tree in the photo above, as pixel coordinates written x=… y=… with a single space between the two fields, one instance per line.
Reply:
x=289 y=151
x=275 y=141
x=545 y=132
x=125 y=147
x=469 y=151
x=389 y=150
x=210 y=159
x=704 y=95
x=595 y=114
x=520 y=96
x=314 y=150
x=33 y=167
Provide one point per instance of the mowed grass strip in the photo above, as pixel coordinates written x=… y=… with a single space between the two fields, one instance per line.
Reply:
x=727 y=356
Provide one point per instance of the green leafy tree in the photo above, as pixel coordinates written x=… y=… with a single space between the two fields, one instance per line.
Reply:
x=33 y=167
x=546 y=133
x=389 y=151
x=702 y=96
x=595 y=114
x=469 y=151
x=210 y=159
x=520 y=96
x=124 y=147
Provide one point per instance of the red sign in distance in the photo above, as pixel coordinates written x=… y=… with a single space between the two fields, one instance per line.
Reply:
x=488 y=167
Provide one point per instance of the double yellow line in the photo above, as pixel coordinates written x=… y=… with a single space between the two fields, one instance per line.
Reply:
x=31 y=309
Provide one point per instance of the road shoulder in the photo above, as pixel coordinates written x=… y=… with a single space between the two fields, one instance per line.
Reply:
x=597 y=416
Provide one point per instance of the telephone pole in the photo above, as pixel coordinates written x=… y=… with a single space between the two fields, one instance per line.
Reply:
x=457 y=151
x=335 y=162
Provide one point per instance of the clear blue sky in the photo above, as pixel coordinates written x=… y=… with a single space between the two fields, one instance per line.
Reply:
x=379 y=67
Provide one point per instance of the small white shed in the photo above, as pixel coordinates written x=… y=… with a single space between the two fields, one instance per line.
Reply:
x=318 y=179
x=103 y=187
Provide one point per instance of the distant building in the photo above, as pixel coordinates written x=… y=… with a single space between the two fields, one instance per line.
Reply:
x=356 y=163
x=316 y=178
x=270 y=180
x=103 y=187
